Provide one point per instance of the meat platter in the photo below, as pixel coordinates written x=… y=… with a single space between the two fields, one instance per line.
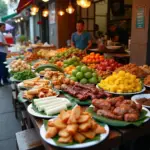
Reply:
x=118 y=112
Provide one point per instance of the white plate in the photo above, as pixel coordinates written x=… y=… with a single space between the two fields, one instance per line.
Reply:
x=148 y=114
x=20 y=85
x=147 y=86
x=125 y=93
x=135 y=97
x=7 y=66
x=75 y=146
x=113 y=47
x=36 y=114
x=5 y=63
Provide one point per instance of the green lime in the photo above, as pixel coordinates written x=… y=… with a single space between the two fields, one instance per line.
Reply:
x=83 y=81
x=75 y=63
x=74 y=58
x=88 y=75
x=65 y=61
x=94 y=74
x=93 y=80
x=84 y=69
x=91 y=70
x=65 y=65
x=69 y=61
x=73 y=78
x=79 y=75
x=74 y=72
x=78 y=68
x=99 y=79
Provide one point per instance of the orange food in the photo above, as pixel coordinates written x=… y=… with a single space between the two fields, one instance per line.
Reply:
x=59 y=63
x=61 y=50
x=69 y=69
x=92 y=58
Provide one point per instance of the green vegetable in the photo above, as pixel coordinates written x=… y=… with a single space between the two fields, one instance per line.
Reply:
x=24 y=75
x=51 y=66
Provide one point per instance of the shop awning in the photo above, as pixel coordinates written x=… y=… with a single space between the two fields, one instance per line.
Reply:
x=23 y=4
x=8 y=17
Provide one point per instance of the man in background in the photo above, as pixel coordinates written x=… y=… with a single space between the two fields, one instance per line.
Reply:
x=81 y=39
x=3 y=54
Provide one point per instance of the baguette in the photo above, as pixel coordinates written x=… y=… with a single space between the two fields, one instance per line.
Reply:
x=33 y=92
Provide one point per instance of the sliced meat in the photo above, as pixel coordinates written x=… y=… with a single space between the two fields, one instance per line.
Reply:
x=108 y=114
x=131 y=117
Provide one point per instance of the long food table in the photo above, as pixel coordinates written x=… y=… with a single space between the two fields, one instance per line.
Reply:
x=116 y=138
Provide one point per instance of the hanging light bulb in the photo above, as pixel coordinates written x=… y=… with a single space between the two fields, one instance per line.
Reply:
x=70 y=9
x=33 y=13
x=45 y=12
x=18 y=20
x=84 y=3
x=21 y=18
x=34 y=9
x=45 y=0
x=80 y=2
x=61 y=12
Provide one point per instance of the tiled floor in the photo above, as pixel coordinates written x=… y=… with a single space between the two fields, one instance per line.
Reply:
x=9 y=125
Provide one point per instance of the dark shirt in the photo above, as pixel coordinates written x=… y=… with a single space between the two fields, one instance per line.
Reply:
x=122 y=33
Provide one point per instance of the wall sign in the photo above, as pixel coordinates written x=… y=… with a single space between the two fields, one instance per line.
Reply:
x=140 y=17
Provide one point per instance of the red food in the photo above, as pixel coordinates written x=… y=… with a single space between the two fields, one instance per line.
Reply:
x=108 y=65
x=84 y=92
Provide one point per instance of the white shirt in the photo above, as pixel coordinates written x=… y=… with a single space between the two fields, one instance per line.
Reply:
x=3 y=49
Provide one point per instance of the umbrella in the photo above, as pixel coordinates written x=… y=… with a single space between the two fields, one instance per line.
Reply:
x=8 y=27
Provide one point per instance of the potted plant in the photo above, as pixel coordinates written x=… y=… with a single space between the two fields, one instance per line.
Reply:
x=22 y=39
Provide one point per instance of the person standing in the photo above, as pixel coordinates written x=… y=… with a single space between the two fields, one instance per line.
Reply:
x=3 y=54
x=37 y=40
x=81 y=39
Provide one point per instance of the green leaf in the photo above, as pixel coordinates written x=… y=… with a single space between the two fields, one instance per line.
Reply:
x=20 y=97
x=84 y=102
x=118 y=123
x=45 y=122
x=97 y=138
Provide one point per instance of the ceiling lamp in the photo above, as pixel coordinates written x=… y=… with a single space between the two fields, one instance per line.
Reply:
x=33 y=13
x=21 y=18
x=70 y=9
x=61 y=12
x=45 y=12
x=34 y=9
x=18 y=20
x=45 y=0
x=84 y=3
